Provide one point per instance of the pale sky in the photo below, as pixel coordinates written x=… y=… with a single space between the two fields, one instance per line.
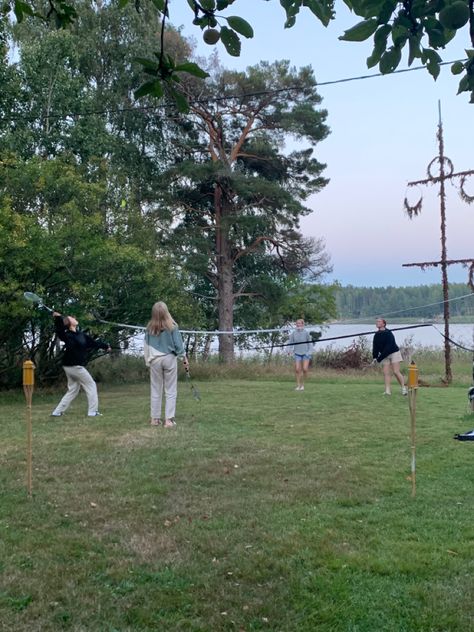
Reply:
x=383 y=135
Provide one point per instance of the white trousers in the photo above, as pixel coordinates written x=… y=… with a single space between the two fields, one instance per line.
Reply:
x=78 y=376
x=164 y=377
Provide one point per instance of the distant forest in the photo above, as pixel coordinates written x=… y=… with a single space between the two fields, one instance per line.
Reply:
x=424 y=301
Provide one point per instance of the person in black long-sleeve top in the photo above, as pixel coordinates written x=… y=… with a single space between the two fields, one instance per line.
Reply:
x=78 y=345
x=386 y=352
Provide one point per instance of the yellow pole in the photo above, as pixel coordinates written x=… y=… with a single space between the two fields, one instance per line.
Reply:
x=412 y=389
x=28 y=386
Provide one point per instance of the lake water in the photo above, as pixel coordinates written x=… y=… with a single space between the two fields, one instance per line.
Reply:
x=417 y=337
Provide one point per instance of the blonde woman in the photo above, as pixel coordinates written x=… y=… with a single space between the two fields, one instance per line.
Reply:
x=163 y=346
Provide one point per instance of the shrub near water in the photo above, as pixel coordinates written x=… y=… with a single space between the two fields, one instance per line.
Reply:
x=326 y=363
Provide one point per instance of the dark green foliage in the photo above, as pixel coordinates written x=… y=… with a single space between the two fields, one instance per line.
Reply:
x=425 y=26
x=425 y=301
x=239 y=195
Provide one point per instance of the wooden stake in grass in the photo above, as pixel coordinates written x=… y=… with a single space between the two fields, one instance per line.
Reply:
x=412 y=389
x=28 y=386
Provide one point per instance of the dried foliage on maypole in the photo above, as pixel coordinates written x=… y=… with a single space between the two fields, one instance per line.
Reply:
x=446 y=174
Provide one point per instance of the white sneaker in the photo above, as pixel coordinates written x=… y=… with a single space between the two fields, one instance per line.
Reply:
x=55 y=414
x=404 y=391
x=96 y=414
x=301 y=388
x=387 y=393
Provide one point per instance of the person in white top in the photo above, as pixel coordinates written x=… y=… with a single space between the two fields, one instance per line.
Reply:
x=302 y=349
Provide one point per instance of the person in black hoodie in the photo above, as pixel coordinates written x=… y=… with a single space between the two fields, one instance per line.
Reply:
x=386 y=352
x=78 y=345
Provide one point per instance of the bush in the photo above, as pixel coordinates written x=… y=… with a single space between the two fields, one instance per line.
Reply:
x=356 y=356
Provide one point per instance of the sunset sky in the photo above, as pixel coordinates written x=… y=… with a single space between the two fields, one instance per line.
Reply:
x=383 y=135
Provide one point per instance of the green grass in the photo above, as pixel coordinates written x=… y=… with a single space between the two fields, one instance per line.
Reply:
x=266 y=509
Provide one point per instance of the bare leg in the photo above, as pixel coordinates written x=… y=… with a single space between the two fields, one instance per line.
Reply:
x=298 y=372
x=387 y=377
x=305 y=371
x=398 y=374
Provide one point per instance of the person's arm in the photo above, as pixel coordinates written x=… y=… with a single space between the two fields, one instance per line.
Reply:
x=59 y=327
x=93 y=343
x=375 y=350
x=291 y=341
x=146 y=351
x=179 y=346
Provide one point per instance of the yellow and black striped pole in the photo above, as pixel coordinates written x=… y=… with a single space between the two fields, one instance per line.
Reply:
x=412 y=389
x=28 y=386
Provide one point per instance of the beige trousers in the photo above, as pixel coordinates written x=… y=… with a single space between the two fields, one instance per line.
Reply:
x=164 y=377
x=78 y=376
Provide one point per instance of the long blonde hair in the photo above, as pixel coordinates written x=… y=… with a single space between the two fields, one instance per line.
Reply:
x=161 y=319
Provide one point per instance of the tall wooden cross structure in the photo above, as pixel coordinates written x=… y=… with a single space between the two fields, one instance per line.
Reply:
x=446 y=173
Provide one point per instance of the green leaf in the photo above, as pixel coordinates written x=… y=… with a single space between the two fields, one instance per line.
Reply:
x=152 y=88
x=147 y=63
x=380 y=45
x=159 y=4
x=381 y=35
x=457 y=68
x=240 y=25
x=231 y=41
x=192 y=68
x=386 y=10
x=414 y=48
x=400 y=34
x=437 y=37
x=123 y=3
x=180 y=100
x=209 y=5
x=361 y=31
x=292 y=8
x=463 y=85
x=432 y=61
x=321 y=10
x=390 y=60
x=222 y=4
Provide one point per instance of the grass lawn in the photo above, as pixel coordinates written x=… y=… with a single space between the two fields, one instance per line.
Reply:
x=266 y=509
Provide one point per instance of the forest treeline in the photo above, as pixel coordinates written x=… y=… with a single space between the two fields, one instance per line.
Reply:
x=423 y=301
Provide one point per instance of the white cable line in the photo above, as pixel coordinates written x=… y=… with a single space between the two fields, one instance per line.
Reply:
x=216 y=332
x=202 y=331
x=456 y=344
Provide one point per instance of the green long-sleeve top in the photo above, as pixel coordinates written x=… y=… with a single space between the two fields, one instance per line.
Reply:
x=164 y=343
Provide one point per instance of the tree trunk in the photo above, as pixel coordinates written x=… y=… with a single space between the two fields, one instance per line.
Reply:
x=225 y=278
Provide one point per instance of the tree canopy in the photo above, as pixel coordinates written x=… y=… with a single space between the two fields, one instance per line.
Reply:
x=237 y=190
x=422 y=27
x=107 y=205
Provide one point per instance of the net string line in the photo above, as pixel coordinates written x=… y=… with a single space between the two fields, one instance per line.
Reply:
x=287 y=329
x=242 y=332
x=284 y=329
x=453 y=342
x=355 y=335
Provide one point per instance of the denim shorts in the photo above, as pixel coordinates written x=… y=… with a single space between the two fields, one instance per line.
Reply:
x=299 y=357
